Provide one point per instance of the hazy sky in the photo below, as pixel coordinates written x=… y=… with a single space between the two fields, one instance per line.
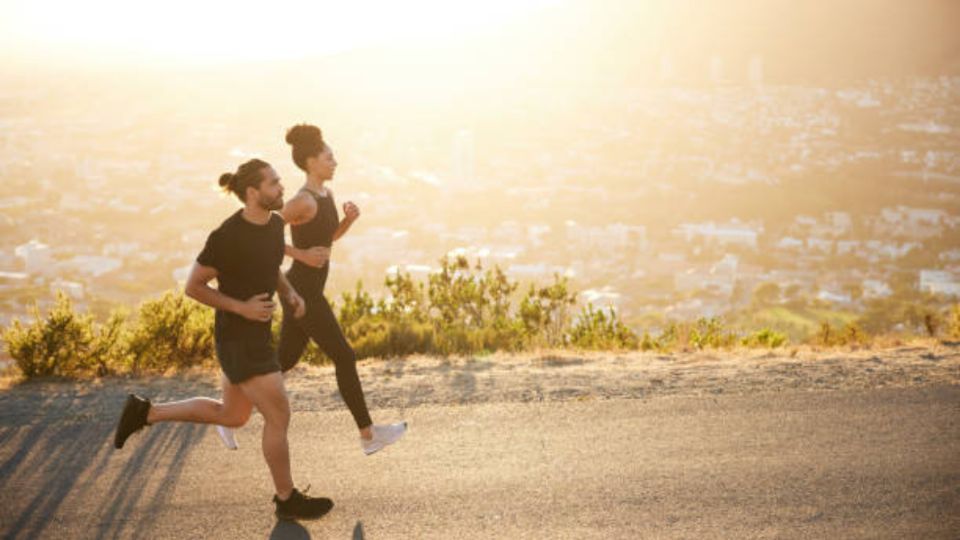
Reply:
x=799 y=40
x=231 y=31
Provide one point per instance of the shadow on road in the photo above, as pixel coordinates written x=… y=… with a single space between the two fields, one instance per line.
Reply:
x=52 y=462
x=289 y=530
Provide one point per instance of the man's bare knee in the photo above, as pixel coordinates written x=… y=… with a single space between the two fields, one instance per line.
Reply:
x=277 y=414
x=269 y=396
x=235 y=420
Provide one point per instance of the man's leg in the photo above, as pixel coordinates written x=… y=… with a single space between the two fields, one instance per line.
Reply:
x=233 y=411
x=293 y=340
x=269 y=396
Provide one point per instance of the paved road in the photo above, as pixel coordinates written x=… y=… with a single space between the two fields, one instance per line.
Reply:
x=879 y=463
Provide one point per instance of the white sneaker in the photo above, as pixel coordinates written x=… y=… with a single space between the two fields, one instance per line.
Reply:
x=382 y=436
x=226 y=435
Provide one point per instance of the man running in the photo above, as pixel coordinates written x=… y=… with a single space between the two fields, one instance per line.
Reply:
x=244 y=256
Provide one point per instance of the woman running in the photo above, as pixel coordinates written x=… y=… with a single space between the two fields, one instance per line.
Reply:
x=314 y=226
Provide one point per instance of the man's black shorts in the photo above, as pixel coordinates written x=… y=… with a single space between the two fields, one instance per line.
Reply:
x=242 y=359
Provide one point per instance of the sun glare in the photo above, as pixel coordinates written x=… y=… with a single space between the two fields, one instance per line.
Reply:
x=227 y=31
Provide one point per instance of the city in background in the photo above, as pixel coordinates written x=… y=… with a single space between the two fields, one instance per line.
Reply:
x=725 y=167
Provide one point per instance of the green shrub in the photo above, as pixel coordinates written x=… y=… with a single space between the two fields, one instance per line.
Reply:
x=171 y=331
x=544 y=312
x=596 y=329
x=455 y=339
x=56 y=344
x=849 y=334
x=108 y=352
x=953 y=322
x=710 y=333
x=384 y=338
x=765 y=338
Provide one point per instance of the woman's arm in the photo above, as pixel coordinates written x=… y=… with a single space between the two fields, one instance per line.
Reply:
x=350 y=212
x=297 y=210
x=286 y=291
x=316 y=256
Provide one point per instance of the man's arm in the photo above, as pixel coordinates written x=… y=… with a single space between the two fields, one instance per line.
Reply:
x=257 y=308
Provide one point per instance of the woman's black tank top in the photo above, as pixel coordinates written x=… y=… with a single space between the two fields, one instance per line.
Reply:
x=318 y=231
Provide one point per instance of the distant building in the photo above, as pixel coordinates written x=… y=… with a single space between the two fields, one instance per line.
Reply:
x=616 y=236
x=840 y=222
x=790 y=243
x=720 y=278
x=847 y=246
x=873 y=288
x=914 y=222
x=939 y=282
x=834 y=297
x=819 y=244
x=37 y=258
x=92 y=266
x=733 y=234
x=605 y=297
x=71 y=288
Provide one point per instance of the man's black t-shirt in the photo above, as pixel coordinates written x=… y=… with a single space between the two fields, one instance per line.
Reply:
x=247 y=257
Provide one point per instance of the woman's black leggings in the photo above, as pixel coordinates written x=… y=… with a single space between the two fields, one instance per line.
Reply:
x=320 y=324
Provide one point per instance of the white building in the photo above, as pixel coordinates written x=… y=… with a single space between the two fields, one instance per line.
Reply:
x=92 y=266
x=819 y=244
x=721 y=278
x=616 y=236
x=601 y=298
x=72 y=289
x=939 y=282
x=874 y=288
x=913 y=221
x=733 y=234
x=37 y=257
x=121 y=248
x=788 y=242
x=834 y=297
x=847 y=246
x=840 y=222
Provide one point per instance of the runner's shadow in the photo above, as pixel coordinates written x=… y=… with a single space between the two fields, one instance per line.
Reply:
x=56 y=462
x=165 y=447
x=289 y=530
x=52 y=458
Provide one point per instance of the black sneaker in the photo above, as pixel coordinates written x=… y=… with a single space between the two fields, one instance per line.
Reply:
x=300 y=506
x=132 y=420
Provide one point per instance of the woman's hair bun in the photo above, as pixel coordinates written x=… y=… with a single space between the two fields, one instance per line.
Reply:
x=304 y=134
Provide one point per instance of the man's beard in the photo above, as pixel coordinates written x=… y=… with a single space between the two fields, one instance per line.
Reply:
x=271 y=204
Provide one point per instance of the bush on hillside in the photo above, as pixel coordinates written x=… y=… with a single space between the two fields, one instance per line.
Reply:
x=601 y=330
x=170 y=331
x=56 y=344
